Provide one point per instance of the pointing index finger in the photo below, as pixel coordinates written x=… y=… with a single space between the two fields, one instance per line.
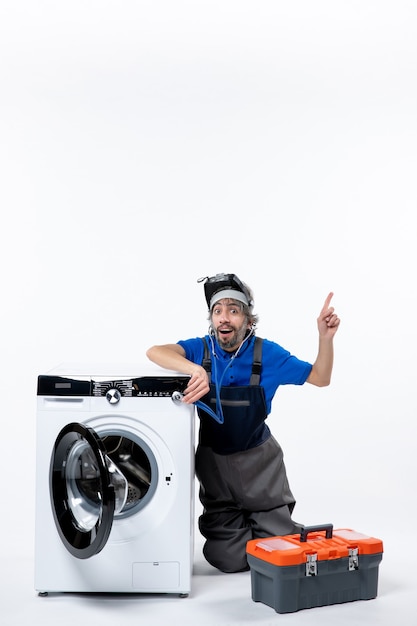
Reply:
x=328 y=300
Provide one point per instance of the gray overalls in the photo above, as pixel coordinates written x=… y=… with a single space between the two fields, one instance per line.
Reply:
x=243 y=488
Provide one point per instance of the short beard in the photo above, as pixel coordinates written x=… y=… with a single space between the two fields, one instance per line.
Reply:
x=233 y=342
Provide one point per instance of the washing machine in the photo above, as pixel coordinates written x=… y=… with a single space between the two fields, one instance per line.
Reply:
x=114 y=481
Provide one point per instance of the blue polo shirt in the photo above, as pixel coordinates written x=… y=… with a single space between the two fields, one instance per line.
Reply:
x=279 y=367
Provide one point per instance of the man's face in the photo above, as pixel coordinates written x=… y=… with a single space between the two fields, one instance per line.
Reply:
x=229 y=323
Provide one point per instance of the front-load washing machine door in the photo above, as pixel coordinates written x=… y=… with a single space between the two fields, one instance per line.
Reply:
x=84 y=494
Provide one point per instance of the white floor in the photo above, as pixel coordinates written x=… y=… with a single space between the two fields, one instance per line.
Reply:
x=216 y=598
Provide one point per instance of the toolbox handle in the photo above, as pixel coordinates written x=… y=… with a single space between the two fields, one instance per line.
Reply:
x=315 y=529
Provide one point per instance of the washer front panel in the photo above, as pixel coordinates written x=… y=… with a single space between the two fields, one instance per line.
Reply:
x=153 y=533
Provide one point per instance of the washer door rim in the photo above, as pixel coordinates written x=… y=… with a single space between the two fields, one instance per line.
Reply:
x=81 y=543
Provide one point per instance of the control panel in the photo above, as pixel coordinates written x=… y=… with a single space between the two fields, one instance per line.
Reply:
x=113 y=390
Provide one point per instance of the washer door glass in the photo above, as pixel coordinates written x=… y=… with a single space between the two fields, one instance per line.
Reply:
x=132 y=458
x=86 y=488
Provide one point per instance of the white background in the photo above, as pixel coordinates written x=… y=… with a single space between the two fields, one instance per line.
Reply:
x=146 y=144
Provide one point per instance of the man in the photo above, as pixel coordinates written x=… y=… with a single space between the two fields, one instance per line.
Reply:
x=233 y=378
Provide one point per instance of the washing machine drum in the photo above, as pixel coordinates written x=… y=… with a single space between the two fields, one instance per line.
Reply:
x=87 y=489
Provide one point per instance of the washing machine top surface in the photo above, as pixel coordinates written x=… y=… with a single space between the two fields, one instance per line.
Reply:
x=109 y=370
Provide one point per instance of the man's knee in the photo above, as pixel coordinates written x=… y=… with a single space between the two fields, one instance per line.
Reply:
x=227 y=561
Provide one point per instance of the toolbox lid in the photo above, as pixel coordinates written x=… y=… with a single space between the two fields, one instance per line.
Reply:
x=293 y=549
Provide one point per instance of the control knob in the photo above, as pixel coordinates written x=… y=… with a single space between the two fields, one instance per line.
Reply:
x=113 y=396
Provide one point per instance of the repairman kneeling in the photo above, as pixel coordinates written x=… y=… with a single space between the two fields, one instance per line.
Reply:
x=244 y=488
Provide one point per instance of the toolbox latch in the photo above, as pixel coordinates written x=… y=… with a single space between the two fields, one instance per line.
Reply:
x=311 y=565
x=353 y=559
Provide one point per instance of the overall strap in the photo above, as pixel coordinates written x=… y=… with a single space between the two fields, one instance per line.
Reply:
x=256 y=365
x=257 y=362
x=207 y=359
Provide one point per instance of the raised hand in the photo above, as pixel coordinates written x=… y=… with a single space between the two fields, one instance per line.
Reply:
x=328 y=322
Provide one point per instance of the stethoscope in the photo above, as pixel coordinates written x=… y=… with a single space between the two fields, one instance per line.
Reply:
x=218 y=414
